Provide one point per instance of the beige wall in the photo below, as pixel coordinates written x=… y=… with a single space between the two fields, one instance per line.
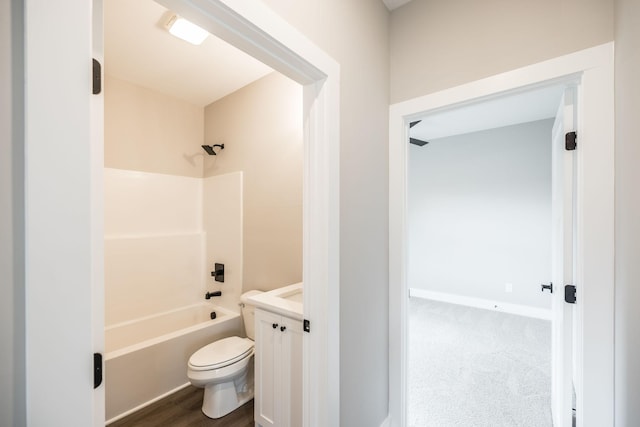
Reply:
x=355 y=33
x=627 y=92
x=261 y=128
x=151 y=132
x=437 y=44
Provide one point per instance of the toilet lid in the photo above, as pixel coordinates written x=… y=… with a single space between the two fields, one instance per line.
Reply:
x=221 y=353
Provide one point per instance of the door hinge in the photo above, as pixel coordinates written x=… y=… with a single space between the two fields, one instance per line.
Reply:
x=570 y=294
x=306 y=325
x=97 y=77
x=570 y=141
x=97 y=370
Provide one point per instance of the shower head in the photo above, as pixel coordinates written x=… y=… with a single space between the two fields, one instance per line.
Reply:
x=209 y=148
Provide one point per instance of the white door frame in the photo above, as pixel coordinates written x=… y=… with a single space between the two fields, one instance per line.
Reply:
x=595 y=220
x=258 y=31
x=63 y=216
x=563 y=201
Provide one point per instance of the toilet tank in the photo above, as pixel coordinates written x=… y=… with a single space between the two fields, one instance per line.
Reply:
x=248 y=314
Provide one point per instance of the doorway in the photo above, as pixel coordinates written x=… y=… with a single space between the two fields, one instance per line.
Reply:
x=172 y=209
x=592 y=68
x=252 y=29
x=479 y=235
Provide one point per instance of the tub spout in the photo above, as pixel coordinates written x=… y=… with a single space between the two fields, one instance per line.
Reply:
x=208 y=295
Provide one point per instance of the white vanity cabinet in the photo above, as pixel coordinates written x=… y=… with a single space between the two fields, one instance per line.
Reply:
x=278 y=370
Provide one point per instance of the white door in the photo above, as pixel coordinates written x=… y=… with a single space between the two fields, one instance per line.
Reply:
x=563 y=211
x=97 y=206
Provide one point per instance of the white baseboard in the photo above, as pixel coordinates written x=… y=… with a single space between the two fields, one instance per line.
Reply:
x=520 y=310
x=386 y=422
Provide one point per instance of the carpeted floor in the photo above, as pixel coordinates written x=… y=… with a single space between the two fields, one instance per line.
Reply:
x=477 y=368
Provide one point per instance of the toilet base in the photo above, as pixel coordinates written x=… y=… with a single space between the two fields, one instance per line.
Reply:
x=222 y=403
x=222 y=398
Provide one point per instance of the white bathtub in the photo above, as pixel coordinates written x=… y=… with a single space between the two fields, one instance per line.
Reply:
x=146 y=359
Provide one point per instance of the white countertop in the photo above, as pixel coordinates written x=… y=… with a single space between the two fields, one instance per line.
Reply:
x=286 y=301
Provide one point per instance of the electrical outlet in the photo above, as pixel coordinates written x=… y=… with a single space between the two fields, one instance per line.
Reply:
x=508 y=287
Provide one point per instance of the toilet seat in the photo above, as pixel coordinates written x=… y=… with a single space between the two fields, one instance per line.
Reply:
x=221 y=353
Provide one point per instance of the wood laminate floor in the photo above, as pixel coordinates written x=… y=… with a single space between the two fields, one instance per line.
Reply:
x=183 y=409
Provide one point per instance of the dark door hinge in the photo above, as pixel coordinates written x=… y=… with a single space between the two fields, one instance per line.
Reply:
x=570 y=294
x=306 y=325
x=97 y=77
x=97 y=370
x=570 y=143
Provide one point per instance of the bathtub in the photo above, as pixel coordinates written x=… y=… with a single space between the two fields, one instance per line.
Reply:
x=146 y=359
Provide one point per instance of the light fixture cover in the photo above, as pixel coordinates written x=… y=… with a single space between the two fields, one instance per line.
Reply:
x=186 y=30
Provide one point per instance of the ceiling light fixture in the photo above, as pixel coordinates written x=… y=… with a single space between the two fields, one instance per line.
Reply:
x=186 y=30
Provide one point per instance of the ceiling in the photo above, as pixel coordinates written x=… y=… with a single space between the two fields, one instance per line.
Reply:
x=140 y=50
x=523 y=107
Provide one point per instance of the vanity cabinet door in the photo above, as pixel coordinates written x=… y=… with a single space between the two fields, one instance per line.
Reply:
x=291 y=373
x=278 y=368
x=268 y=341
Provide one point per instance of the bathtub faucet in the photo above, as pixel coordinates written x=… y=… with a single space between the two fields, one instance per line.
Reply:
x=208 y=295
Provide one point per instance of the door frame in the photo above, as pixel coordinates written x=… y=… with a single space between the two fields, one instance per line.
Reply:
x=63 y=212
x=258 y=31
x=595 y=220
x=563 y=201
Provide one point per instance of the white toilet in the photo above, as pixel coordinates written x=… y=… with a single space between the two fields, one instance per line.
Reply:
x=224 y=368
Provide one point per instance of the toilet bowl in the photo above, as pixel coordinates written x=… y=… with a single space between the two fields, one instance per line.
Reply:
x=224 y=368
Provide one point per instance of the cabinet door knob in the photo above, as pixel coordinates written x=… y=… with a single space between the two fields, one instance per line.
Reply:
x=282 y=328
x=275 y=325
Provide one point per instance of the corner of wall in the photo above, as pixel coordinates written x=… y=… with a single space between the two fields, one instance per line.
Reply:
x=12 y=266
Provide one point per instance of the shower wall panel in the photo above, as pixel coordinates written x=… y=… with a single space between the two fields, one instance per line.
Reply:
x=154 y=243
